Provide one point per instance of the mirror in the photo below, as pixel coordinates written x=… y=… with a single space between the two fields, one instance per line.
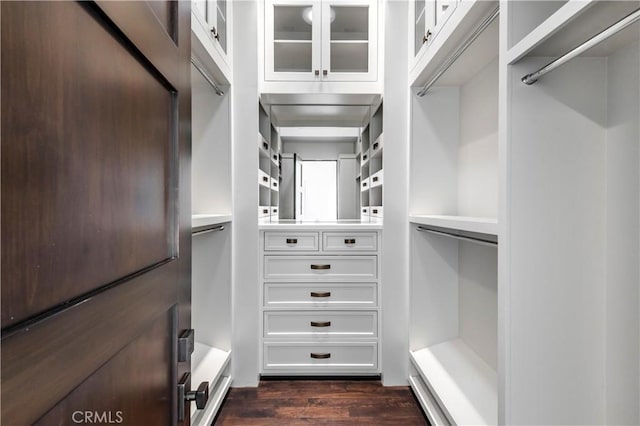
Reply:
x=317 y=162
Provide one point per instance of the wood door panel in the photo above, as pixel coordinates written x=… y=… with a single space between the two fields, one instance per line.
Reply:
x=87 y=158
x=130 y=389
x=165 y=11
x=44 y=362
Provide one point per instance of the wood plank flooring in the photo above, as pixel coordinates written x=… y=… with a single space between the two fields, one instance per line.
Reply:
x=308 y=402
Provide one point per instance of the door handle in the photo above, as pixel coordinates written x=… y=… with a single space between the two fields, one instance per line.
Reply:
x=325 y=72
x=320 y=294
x=322 y=267
x=186 y=344
x=200 y=396
x=426 y=37
x=317 y=72
x=320 y=323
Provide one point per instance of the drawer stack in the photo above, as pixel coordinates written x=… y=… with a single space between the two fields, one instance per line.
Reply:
x=320 y=312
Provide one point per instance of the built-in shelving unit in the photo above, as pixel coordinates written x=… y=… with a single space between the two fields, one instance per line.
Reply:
x=211 y=223
x=269 y=173
x=453 y=210
x=370 y=158
x=572 y=213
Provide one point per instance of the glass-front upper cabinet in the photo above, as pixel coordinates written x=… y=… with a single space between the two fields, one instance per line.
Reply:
x=427 y=17
x=321 y=40
x=213 y=15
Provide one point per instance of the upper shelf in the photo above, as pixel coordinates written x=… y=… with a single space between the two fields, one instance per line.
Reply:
x=480 y=225
x=573 y=24
x=200 y=220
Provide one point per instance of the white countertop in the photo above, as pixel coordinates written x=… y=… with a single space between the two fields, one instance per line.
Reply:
x=372 y=224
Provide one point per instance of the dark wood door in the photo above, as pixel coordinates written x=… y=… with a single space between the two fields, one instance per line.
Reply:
x=95 y=210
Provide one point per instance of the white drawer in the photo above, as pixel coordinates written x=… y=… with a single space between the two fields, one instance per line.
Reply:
x=321 y=268
x=355 y=241
x=291 y=241
x=312 y=324
x=377 y=179
x=264 y=179
x=274 y=183
x=321 y=357
x=365 y=211
x=365 y=184
x=338 y=295
x=274 y=211
x=377 y=145
x=376 y=211
x=263 y=211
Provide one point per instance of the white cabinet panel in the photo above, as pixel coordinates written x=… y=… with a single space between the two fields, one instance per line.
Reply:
x=320 y=324
x=291 y=241
x=355 y=241
x=330 y=268
x=321 y=357
x=320 y=295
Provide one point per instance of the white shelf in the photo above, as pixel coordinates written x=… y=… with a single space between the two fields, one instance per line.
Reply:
x=463 y=384
x=209 y=364
x=481 y=225
x=572 y=24
x=200 y=220
x=429 y=405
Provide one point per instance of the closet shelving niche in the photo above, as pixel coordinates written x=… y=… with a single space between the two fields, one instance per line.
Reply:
x=269 y=174
x=211 y=238
x=370 y=159
x=454 y=173
x=573 y=140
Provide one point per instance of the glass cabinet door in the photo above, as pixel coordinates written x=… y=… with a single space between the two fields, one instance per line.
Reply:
x=292 y=40
x=349 y=50
x=219 y=22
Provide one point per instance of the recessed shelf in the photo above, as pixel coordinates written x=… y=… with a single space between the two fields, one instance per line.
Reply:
x=480 y=225
x=200 y=220
x=574 y=23
x=465 y=387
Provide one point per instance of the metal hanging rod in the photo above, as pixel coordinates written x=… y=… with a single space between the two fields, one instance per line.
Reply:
x=460 y=50
x=196 y=63
x=598 y=38
x=206 y=231
x=458 y=237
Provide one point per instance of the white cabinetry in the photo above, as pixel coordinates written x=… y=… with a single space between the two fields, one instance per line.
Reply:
x=211 y=25
x=427 y=17
x=320 y=312
x=211 y=242
x=313 y=40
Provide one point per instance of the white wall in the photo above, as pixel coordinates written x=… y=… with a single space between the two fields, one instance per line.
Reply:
x=318 y=150
x=622 y=228
x=395 y=239
x=245 y=165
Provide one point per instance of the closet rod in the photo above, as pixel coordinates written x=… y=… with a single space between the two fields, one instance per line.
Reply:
x=460 y=50
x=205 y=74
x=206 y=231
x=459 y=237
x=600 y=37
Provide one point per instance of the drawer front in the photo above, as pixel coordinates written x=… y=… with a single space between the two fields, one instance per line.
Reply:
x=322 y=357
x=342 y=241
x=324 y=324
x=377 y=179
x=339 y=295
x=321 y=268
x=376 y=211
x=264 y=179
x=365 y=184
x=291 y=241
x=263 y=211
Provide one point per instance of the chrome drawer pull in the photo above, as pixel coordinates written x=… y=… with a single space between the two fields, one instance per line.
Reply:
x=292 y=241
x=265 y=179
x=320 y=356
x=320 y=266
x=349 y=240
x=320 y=294
x=320 y=323
x=375 y=179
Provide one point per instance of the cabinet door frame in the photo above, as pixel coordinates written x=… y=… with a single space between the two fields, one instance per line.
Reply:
x=207 y=21
x=429 y=26
x=372 y=66
x=269 y=42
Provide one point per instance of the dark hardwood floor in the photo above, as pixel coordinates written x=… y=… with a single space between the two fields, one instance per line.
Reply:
x=335 y=402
